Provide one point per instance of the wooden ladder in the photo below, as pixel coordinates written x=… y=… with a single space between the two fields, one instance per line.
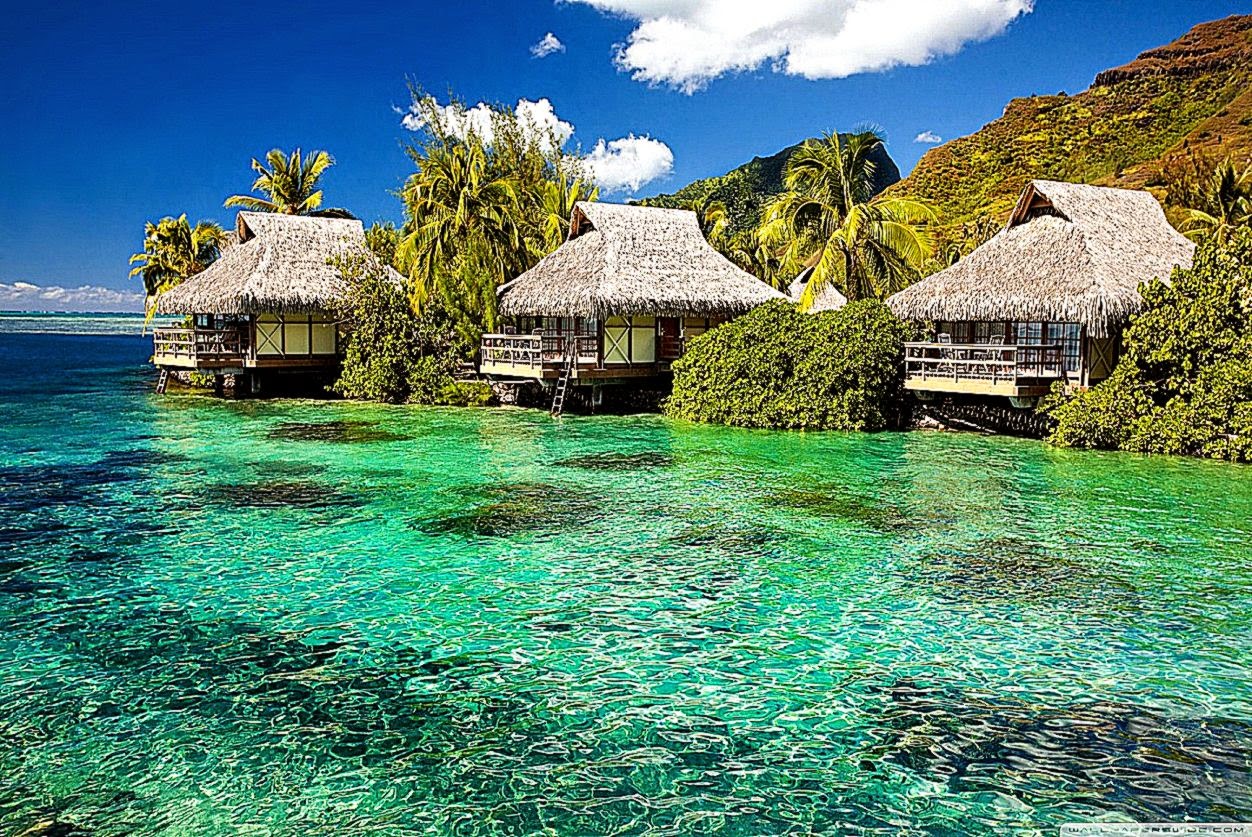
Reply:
x=163 y=380
x=562 y=383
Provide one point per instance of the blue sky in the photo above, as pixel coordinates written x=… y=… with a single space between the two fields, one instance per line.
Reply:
x=114 y=114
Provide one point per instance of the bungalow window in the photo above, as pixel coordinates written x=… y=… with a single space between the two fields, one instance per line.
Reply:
x=989 y=333
x=695 y=326
x=1027 y=334
x=220 y=321
x=1069 y=337
x=957 y=332
x=557 y=325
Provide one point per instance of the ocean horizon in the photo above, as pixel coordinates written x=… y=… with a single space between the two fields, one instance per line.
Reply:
x=104 y=323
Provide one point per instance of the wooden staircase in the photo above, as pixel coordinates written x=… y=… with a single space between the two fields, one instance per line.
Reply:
x=569 y=362
x=163 y=380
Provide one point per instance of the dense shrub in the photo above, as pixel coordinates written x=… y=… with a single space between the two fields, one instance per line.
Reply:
x=395 y=354
x=779 y=368
x=1184 y=383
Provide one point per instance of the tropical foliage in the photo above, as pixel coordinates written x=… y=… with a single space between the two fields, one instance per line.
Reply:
x=780 y=368
x=713 y=219
x=290 y=183
x=557 y=199
x=1184 y=384
x=481 y=207
x=864 y=244
x=173 y=250
x=395 y=354
x=745 y=191
x=383 y=240
x=1217 y=200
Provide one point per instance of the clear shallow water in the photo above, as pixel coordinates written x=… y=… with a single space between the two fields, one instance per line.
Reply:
x=302 y=618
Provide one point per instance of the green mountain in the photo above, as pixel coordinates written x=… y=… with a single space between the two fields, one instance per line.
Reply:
x=1133 y=127
x=746 y=189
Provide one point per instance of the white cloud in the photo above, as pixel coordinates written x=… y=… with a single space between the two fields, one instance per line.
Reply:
x=538 y=119
x=688 y=43
x=547 y=45
x=24 y=296
x=928 y=137
x=617 y=165
x=628 y=163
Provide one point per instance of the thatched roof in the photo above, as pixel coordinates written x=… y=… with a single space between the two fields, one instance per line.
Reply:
x=1070 y=253
x=621 y=260
x=828 y=300
x=281 y=264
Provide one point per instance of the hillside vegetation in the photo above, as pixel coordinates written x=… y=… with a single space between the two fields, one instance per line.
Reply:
x=746 y=189
x=1190 y=97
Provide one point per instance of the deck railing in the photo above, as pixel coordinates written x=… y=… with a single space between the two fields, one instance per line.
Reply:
x=533 y=352
x=200 y=344
x=982 y=362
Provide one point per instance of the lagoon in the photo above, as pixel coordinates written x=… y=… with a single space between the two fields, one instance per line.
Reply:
x=297 y=617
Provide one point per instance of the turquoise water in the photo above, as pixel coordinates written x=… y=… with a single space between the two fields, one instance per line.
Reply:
x=315 y=618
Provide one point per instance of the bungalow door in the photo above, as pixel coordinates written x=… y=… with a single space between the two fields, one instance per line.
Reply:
x=669 y=331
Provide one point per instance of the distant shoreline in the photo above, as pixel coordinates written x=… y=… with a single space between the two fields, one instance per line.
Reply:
x=47 y=313
x=72 y=323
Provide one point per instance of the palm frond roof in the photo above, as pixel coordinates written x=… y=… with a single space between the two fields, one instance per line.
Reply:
x=828 y=299
x=281 y=264
x=623 y=259
x=1070 y=253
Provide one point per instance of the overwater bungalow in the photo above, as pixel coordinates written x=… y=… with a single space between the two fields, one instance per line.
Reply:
x=1045 y=299
x=617 y=301
x=264 y=307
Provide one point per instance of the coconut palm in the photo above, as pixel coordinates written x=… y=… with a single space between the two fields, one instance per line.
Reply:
x=713 y=218
x=172 y=251
x=556 y=204
x=1224 y=203
x=746 y=251
x=867 y=245
x=291 y=184
x=459 y=208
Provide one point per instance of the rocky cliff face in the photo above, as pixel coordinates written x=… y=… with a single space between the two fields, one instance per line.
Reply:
x=1192 y=95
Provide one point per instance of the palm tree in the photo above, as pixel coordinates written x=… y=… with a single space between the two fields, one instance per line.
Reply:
x=172 y=251
x=1224 y=203
x=291 y=184
x=749 y=254
x=713 y=218
x=460 y=209
x=867 y=245
x=556 y=204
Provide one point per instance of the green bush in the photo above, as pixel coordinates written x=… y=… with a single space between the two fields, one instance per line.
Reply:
x=466 y=394
x=201 y=379
x=779 y=368
x=395 y=354
x=1184 y=383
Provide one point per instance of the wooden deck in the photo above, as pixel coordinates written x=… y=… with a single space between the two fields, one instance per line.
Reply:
x=982 y=368
x=541 y=357
x=199 y=348
x=223 y=350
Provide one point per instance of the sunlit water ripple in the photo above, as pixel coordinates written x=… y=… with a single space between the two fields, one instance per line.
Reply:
x=317 y=618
